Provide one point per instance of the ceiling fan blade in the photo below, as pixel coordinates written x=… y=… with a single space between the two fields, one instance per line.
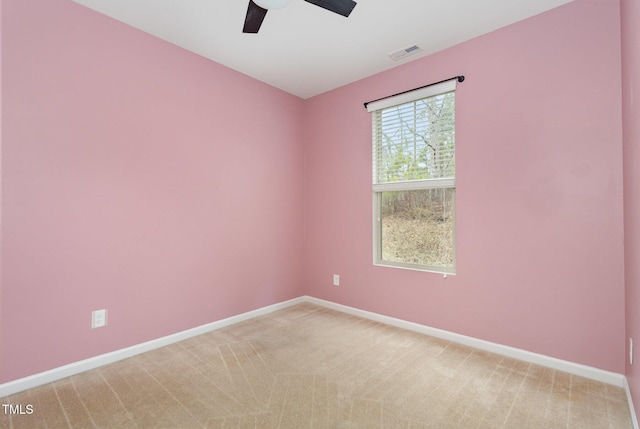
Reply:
x=342 y=7
x=254 y=18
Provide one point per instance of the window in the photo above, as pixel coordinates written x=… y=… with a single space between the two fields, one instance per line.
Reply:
x=414 y=179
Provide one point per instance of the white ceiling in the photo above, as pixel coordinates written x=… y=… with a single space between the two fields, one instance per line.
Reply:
x=306 y=50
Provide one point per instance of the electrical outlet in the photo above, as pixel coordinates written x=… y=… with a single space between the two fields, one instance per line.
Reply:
x=630 y=350
x=98 y=318
x=336 y=280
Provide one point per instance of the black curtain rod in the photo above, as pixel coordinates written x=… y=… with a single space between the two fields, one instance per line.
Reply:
x=460 y=79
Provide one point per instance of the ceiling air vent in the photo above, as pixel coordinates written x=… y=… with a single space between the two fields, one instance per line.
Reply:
x=414 y=49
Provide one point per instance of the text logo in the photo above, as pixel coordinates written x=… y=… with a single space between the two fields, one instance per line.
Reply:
x=18 y=409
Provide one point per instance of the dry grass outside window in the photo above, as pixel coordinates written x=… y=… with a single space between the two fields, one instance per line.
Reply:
x=417 y=227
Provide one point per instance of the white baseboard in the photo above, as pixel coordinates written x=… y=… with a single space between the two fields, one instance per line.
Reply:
x=512 y=352
x=632 y=411
x=35 y=380
x=55 y=374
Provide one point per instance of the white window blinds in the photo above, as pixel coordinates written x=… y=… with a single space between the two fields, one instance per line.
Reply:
x=414 y=139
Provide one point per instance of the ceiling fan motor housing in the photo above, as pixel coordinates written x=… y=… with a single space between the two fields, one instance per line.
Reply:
x=272 y=4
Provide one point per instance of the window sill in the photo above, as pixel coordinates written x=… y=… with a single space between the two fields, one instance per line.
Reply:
x=413 y=267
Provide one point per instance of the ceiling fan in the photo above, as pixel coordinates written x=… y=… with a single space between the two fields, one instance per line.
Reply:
x=258 y=9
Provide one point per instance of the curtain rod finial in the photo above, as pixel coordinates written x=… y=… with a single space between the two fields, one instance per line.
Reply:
x=460 y=78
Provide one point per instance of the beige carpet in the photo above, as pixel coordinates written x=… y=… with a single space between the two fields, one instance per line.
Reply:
x=309 y=367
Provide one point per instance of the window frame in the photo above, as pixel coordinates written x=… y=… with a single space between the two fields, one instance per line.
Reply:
x=409 y=185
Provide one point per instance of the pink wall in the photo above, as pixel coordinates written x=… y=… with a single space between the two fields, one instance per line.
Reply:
x=630 y=14
x=139 y=178
x=1 y=68
x=539 y=196
x=131 y=181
